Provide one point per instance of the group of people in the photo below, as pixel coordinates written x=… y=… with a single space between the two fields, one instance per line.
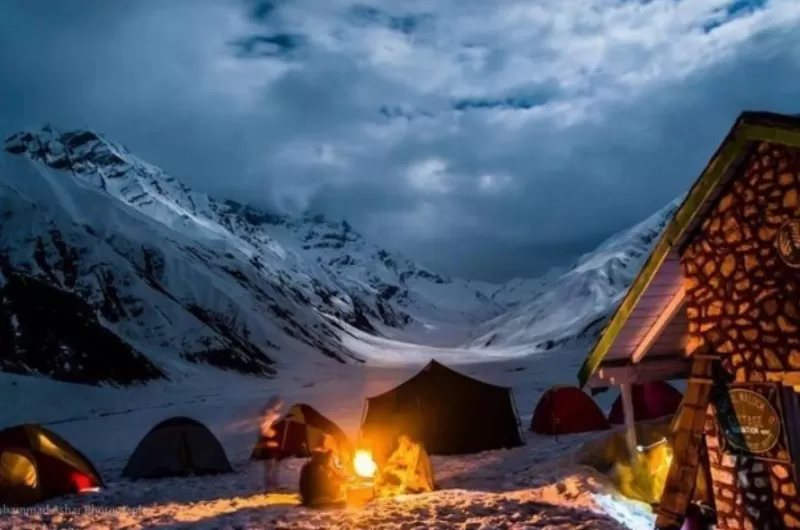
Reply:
x=324 y=476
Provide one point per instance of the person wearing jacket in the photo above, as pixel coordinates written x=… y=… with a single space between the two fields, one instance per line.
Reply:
x=269 y=444
x=322 y=478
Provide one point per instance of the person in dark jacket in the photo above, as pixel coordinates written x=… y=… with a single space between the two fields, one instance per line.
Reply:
x=322 y=480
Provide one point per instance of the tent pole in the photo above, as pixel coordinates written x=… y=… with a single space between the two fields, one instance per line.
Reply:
x=630 y=421
x=520 y=430
x=364 y=408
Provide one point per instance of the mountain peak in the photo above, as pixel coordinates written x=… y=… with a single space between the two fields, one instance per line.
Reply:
x=72 y=150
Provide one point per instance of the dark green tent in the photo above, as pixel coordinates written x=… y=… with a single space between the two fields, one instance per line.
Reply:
x=177 y=447
x=448 y=412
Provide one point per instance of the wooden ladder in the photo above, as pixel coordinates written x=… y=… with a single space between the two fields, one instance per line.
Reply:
x=688 y=444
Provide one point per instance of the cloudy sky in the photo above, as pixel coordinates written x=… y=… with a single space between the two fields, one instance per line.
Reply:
x=488 y=139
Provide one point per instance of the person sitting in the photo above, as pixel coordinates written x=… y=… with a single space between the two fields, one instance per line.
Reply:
x=322 y=479
x=408 y=470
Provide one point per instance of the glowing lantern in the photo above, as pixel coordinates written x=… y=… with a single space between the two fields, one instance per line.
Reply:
x=364 y=465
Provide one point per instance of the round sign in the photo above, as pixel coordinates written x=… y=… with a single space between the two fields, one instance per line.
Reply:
x=788 y=242
x=749 y=421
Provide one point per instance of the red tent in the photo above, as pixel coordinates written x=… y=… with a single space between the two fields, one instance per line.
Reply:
x=567 y=410
x=652 y=400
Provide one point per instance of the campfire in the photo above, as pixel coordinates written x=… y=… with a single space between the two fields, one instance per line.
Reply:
x=362 y=489
x=364 y=465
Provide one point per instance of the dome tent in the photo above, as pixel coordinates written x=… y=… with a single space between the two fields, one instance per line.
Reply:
x=652 y=400
x=36 y=464
x=176 y=447
x=565 y=409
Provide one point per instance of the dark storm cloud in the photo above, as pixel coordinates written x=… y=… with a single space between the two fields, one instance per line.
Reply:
x=487 y=143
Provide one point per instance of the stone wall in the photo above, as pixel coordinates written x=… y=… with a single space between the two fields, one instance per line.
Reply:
x=743 y=306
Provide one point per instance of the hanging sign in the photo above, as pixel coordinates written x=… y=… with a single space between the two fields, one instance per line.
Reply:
x=748 y=421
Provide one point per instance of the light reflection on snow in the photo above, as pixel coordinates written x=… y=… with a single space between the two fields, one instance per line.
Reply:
x=631 y=514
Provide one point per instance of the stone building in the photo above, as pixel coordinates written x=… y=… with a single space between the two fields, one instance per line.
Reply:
x=718 y=303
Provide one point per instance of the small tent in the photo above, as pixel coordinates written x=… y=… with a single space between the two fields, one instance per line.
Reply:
x=36 y=464
x=642 y=478
x=177 y=447
x=300 y=431
x=567 y=409
x=448 y=412
x=652 y=400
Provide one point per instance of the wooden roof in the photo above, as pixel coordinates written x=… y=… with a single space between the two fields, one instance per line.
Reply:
x=650 y=322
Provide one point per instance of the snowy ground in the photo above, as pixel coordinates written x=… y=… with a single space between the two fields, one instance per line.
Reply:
x=532 y=487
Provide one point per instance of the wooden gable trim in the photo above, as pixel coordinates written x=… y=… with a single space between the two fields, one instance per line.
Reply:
x=655 y=331
x=763 y=133
x=749 y=127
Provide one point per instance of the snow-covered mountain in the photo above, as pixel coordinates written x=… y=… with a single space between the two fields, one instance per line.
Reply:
x=574 y=305
x=113 y=271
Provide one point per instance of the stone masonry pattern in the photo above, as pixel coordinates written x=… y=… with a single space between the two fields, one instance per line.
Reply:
x=743 y=304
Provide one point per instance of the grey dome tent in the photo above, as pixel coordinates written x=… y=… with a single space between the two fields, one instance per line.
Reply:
x=446 y=411
x=177 y=447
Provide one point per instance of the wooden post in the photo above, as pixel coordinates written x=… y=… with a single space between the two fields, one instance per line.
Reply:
x=554 y=420
x=630 y=421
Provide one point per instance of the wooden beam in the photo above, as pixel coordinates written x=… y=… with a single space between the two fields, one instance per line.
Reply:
x=643 y=372
x=630 y=420
x=665 y=317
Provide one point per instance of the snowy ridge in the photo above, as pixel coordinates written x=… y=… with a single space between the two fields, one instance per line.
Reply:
x=574 y=306
x=179 y=278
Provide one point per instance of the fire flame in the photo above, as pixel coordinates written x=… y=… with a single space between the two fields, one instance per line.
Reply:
x=364 y=465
